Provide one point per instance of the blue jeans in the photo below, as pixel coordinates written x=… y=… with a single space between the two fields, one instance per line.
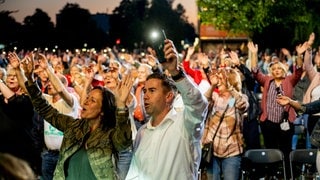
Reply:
x=123 y=162
x=49 y=162
x=229 y=168
x=302 y=119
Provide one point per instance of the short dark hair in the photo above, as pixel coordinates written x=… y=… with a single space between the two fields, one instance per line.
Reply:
x=167 y=82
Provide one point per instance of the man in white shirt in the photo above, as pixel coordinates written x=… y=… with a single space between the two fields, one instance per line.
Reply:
x=168 y=145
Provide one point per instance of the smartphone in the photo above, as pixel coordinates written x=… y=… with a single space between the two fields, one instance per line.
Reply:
x=279 y=93
x=158 y=45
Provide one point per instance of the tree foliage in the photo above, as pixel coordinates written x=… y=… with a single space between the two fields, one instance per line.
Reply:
x=38 y=29
x=10 y=28
x=260 y=17
x=76 y=27
x=133 y=22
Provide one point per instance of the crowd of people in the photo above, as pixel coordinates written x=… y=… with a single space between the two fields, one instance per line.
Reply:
x=120 y=115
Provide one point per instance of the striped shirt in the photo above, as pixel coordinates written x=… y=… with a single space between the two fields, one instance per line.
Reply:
x=274 y=109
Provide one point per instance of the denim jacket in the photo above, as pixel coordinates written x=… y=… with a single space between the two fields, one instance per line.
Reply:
x=100 y=143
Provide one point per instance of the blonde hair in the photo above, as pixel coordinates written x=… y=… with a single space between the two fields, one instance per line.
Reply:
x=12 y=167
x=283 y=67
x=233 y=77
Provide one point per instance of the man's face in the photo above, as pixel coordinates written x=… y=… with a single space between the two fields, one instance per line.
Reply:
x=155 y=99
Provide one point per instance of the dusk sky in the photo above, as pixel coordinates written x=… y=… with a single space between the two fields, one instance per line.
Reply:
x=52 y=7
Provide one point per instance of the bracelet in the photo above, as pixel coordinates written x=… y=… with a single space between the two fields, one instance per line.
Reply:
x=179 y=75
x=122 y=109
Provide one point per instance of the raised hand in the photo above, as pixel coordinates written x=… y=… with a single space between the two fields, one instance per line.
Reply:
x=89 y=74
x=123 y=90
x=253 y=48
x=234 y=58
x=311 y=39
x=203 y=59
x=43 y=62
x=285 y=51
x=28 y=67
x=190 y=51
x=214 y=80
x=14 y=60
x=171 y=56
x=152 y=61
x=301 y=48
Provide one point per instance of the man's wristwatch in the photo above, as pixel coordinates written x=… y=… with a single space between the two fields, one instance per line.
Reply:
x=179 y=75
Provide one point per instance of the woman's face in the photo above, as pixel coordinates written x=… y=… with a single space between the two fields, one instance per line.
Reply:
x=12 y=81
x=74 y=70
x=142 y=73
x=79 y=78
x=277 y=71
x=110 y=80
x=92 y=106
x=219 y=77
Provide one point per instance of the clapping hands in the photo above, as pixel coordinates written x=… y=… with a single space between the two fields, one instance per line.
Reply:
x=123 y=90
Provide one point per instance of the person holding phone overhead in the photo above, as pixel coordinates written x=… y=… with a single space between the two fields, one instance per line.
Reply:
x=168 y=145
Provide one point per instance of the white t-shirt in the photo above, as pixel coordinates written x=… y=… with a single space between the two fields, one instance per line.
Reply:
x=52 y=136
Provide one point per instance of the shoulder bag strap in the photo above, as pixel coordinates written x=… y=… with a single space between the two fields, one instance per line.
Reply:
x=221 y=119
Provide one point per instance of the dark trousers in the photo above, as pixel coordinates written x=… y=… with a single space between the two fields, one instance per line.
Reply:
x=275 y=138
x=49 y=162
x=251 y=134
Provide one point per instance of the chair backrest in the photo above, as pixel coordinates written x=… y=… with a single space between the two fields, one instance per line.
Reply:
x=264 y=155
x=304 y=156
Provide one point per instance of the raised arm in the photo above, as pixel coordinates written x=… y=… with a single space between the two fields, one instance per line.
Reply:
x=55 y=81
x=253 y=49
x=301 y=48
x=89 y=74
x=59 y=120
x=195 y=103
x=308 y=57
x=15 y=64
x=121 y=94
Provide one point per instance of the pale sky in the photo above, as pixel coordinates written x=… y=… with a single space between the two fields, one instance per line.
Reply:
x=52 y=7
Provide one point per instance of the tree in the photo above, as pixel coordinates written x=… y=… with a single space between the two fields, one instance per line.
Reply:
x=38 y=29
x=133 y=22
x=292 y=20
x=76 y=27
x=10 y=29
x=127 y=22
